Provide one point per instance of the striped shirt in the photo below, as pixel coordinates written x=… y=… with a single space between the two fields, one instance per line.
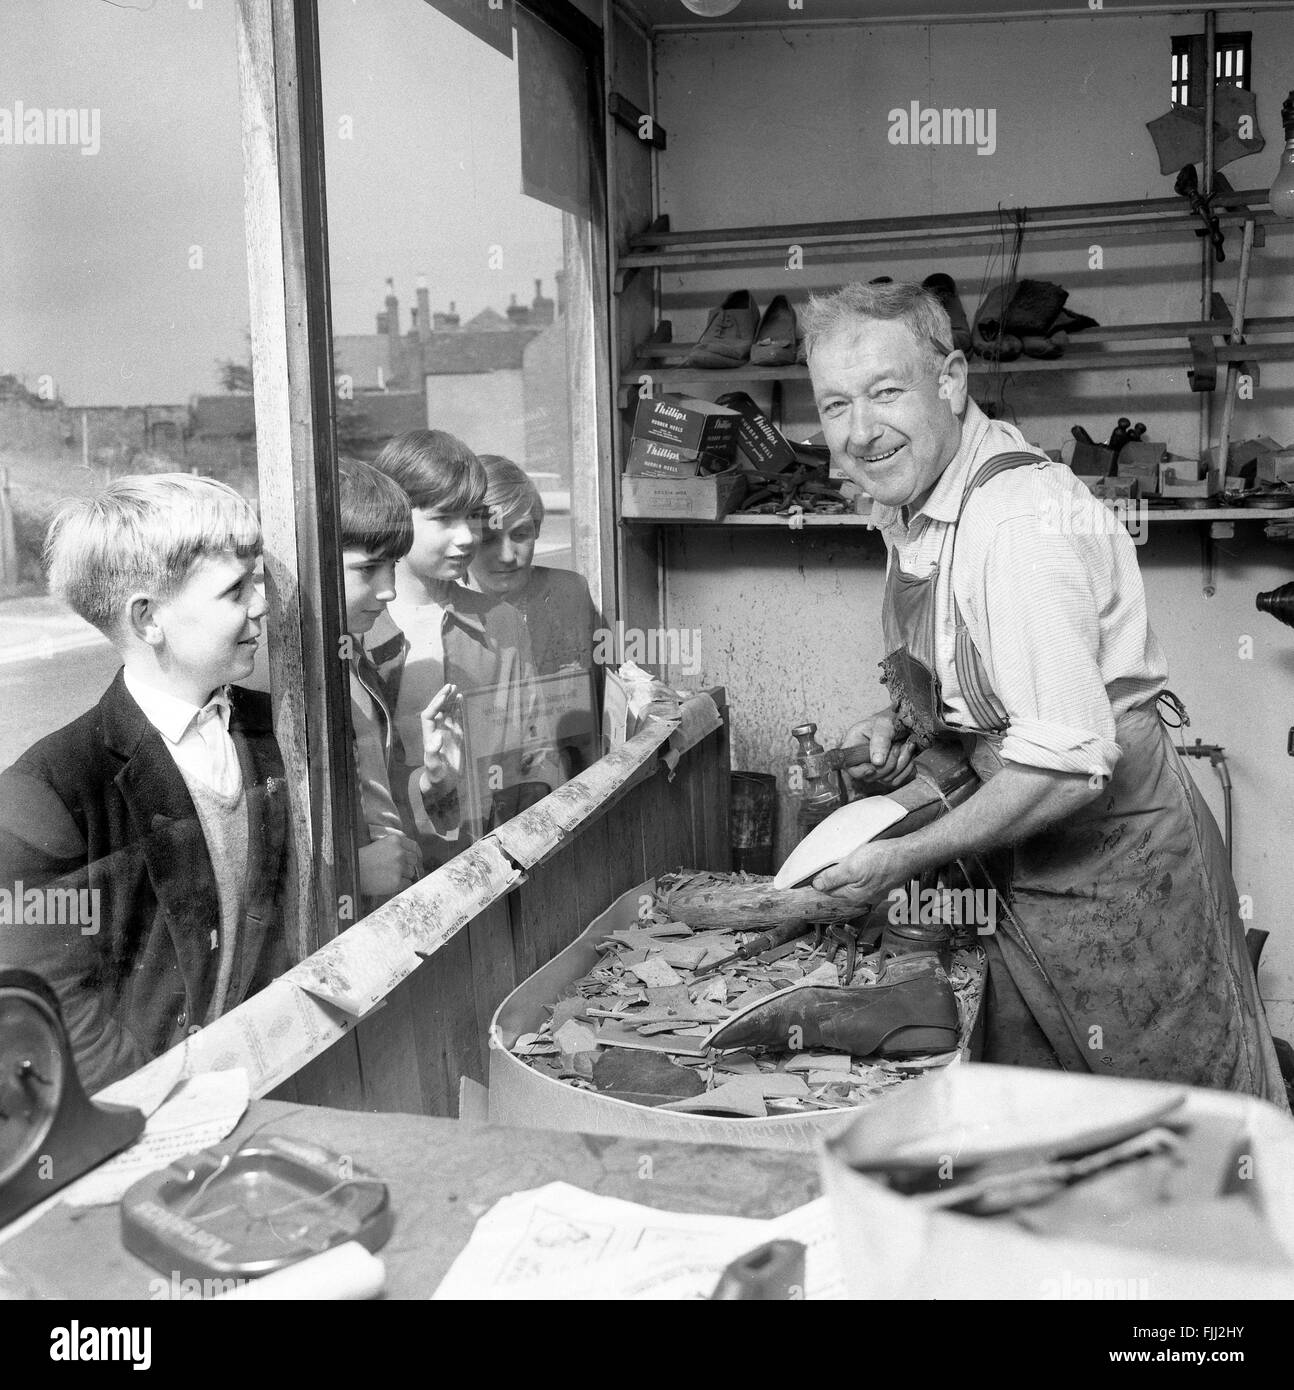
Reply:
x=1051 y=594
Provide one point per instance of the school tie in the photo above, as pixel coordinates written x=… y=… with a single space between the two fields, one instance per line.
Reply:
x=225 y=776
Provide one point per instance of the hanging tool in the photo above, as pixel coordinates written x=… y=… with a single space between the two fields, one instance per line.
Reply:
x=1120 y=434
x=1187 y=185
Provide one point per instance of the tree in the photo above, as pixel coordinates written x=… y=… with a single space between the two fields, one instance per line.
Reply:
x=235 y=376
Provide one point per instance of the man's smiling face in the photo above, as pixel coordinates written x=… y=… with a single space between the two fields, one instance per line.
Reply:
x=890 y=412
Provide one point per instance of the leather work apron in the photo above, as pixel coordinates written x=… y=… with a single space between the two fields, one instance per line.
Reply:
x=1121 y=950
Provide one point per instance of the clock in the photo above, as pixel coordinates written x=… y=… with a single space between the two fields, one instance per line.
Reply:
x=50 y=1131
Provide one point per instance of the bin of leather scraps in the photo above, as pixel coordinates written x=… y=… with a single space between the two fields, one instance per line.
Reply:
x=1006 y=1182
x=642 y=1027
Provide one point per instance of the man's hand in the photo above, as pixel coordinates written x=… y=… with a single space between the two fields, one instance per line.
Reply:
x=388 y=866
x=892 y=752
x=867 y=875
x=442 y=741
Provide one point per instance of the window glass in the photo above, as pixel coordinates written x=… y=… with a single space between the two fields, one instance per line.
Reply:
x=458 y=174
x=132 y=845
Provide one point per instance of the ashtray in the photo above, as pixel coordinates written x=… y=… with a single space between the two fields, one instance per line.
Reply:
x=248 y=1213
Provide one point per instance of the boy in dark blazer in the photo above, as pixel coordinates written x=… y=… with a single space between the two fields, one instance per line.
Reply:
x=167 y=801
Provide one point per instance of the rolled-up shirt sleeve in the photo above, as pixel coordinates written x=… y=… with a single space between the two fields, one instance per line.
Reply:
x=1032 y=608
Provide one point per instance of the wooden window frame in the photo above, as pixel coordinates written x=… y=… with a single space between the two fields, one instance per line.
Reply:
x=285 y=212
x=1190 y=47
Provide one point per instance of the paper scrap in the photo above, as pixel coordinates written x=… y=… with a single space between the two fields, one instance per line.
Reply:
x=698 y=717
x=147 y=1088
x=560 y=1242
x=202 y=1111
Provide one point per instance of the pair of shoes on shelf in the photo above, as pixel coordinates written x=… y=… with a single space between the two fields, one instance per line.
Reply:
x=736 y=333
x=1026 y=316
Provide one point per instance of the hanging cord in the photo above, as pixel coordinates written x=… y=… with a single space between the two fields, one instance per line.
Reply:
x=1015 y=219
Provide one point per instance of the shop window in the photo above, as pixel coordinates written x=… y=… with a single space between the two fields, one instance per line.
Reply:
x=1232 y=54
x=123 y=352
x=462 y=207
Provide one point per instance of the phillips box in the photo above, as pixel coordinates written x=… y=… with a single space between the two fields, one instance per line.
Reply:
x=699 y=427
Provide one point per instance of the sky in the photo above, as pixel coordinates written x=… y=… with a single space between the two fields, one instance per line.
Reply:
x=123 y=272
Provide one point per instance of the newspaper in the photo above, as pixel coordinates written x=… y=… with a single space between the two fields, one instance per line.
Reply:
x=561 y=1242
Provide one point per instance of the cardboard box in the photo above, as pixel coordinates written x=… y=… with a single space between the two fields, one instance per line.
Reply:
x=1141 y=459
x=1113 y=488
x=521 y=1096
x=1276 y=467
x=1181 y=478
x=764 y=446
x=648 y=458
x=1243 y=451
x=703 y=427
x=1092 y=460
x=710 y=498
x=894 y=1246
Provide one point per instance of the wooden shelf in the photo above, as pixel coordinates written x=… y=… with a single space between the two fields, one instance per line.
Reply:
x=850 y=520
x=1076 y=359
x=964 y=231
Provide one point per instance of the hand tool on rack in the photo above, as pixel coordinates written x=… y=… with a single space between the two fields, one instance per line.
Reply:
x=1187 y=185
x=805 y=486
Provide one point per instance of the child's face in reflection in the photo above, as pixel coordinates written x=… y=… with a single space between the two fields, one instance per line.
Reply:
x=502 y=565
x=370 y=586
x=443 y=543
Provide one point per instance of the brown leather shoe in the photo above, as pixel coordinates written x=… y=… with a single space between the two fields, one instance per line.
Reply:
x=728 y=335
x=911 y=1018
x=775 y=337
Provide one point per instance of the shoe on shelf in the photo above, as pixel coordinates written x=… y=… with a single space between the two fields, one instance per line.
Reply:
x=728 y=335
x=944 y=288
x=775 y=338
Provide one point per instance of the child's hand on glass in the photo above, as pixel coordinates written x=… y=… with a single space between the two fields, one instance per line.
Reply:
x=388 y=865
x=442 y=740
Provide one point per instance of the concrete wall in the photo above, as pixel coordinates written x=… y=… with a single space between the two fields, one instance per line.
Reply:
x=28 y=426
x=791 y=125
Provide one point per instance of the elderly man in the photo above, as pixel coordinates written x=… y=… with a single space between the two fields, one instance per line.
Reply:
x=1015 y=622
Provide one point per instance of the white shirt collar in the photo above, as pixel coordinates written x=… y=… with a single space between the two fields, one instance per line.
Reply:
x=171 y=716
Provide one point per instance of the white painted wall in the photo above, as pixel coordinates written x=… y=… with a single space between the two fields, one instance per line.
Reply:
x=791 y=125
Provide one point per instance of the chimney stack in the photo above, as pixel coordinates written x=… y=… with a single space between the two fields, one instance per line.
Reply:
x=392 y=333
x=518 y=314
x=424 y=310
x=541 y=309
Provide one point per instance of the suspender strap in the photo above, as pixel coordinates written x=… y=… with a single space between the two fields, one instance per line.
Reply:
x=969 y=665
